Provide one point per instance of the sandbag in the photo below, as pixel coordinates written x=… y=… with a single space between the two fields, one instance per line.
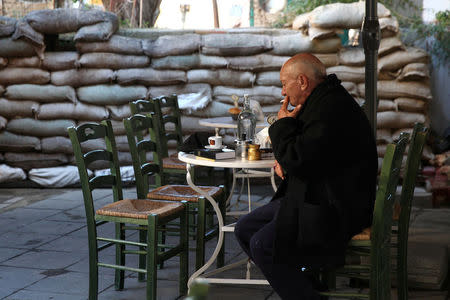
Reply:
x=41 y=93
x=124 y=160
x=98 y=32
x=23 y=75
x=80 y=77
x=150 y=76
x=411 y=105
x=3 y=62
x=317 y=33
x=291 y=44
x=78 y=111
x=18 y=143
x=118 y=127
x=187 y=62
x=256 y=63
x=126 y=172
x=386 y=75
x=414 y=71
x=190 y=124
x=388 y=26
x=351 y=56
x=214 y=109
x=180 y=89
x=262 y=94
x=16 y=109
x=386 y=105
x=301 y=21
x=56 y=144
x=268 y=78
x=221 y=77
x=119 y=112
x=27 y=33
x=393 y=89
x=116 y=44
x=343 y=15
x=234 y=45
x=399 y=59
x=39 y=128
x=113 y=61
x=7 y=26
x=328 y=59
x=384 y=136
x=31 y=160
x=122 y=143
x=111 y=94
x=347 y=73
x=389 y=45
x=172 y=45
x=3 y=123
x=15 y=48
x=56 y=177
x=25 y=62
x=2 y=90
x=392 y=119
x=351 y=88
x=58 y=61
x=8 y=174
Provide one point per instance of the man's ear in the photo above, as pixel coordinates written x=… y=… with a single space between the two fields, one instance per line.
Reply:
x=303 y=81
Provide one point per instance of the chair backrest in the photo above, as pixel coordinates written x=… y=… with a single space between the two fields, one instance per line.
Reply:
x=169 y=116
x=93 y=131
x=380 y=285
x=139 y=148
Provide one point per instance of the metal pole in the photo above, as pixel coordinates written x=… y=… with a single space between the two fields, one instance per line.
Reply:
x=216 y=14
x=371 y=43
x=252 y=14
x=141 y=4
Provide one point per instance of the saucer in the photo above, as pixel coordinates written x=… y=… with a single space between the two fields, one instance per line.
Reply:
x=211 y=147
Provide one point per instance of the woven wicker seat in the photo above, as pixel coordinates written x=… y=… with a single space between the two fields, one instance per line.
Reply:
x=363 y=236
x=139 y=208
x=172 y=162
x=182 y=192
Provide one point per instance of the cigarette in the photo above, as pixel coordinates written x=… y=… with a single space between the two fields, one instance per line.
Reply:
x=282 y=100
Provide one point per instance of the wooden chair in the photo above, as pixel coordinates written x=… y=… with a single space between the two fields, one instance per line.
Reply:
x=197 y=204
x=378 y=271
x=146 y=216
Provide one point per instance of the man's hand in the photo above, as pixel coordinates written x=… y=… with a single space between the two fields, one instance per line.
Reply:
x=278 y=170
x=284 y=112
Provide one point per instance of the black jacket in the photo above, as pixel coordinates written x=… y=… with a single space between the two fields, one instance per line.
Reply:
x=329 y=154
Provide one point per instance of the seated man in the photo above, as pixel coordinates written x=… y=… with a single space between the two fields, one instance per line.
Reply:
x=327 y=159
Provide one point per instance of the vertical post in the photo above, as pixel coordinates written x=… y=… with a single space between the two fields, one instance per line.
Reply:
x=216 y=14
x=140 y=13
x=252 y=14
x=371 y=43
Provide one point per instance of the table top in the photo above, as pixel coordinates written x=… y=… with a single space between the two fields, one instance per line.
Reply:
x=226 y=163
x=227 y=122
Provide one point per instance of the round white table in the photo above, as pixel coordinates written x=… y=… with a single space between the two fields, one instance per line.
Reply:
x=227 y=122
x=190 y=161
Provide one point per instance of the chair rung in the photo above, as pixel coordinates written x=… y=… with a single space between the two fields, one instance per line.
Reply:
x=127 y=227
x=168 y=254
x=103 y=247
x=122 y=242
x=122 y=268
x=134 y=252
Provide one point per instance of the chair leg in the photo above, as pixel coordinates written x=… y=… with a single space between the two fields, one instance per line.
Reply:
x=120 y=257
x=223 y=211
x=152 y=256
x=201 y=224
x=93 y=268
x=184 y=254
x=402 y=278
x=162 y=239
x=142 y=257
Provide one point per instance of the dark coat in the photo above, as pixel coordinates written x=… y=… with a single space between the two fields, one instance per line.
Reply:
x=329 y=155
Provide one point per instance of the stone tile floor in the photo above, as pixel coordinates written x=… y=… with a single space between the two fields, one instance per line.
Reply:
x=44 y=255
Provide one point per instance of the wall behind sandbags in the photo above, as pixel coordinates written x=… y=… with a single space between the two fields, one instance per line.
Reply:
x=41 y=96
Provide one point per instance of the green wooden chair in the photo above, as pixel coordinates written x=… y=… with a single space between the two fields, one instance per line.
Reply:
x=144 y=215
x=378 y=271
x=197 y=204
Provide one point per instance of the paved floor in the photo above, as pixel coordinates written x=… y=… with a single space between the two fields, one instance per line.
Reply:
x=43 y=252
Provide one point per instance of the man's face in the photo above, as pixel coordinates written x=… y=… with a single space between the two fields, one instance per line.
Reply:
x=292 y=88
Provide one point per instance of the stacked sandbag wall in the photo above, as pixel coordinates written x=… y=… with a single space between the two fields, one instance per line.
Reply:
x=43 y=92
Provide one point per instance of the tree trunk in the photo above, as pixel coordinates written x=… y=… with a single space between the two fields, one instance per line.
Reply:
x=130 y=18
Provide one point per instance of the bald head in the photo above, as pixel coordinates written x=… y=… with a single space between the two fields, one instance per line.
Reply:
x=308 y=64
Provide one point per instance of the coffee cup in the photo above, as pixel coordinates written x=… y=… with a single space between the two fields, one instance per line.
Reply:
x=215 y=141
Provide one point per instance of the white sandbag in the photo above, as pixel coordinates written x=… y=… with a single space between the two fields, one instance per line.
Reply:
x=414 y=71
x=221 y=77
x=187 y=62
x=201 y=88
x=7 y=26
x=113 y=61
x=31 y=160
x=3 y=122
x=328 y=59
x=343 y=15
x=56 y=144
x=193 y=101
x=411 y=105
x=18 y=143
x=56 y=177
x=384 y=136
x=263 y=94
x=15 y=48
x=119 y=112
x=81 y=77
x=24 y=62
x=351 y=88
x=39 y=128
x=116 y=44
x=394 y=89
x=16 y=109
x=389 y=75
x=11 y=75
x=190 y=124
x=58 y=61
x=118 y=127
x=392 y=119
x=9 y=174
x=98 y=32
x=122 y=143
x=389 y=45
x=268 y=78
x=111 y=94
x=3 y=62
x=255 y=63
x=214 y=109
x=347 y=73
x=317 y=33
x=150 y=76
x=172 y=45
x=351 y=56
x=291 y=44
x=27 y=33
x=388 y=26
x=301 y=21
x=386 y=105
x=77 y=111
x=41 y=93
x=126 y=173
x=233 y=45
x=399 y=59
